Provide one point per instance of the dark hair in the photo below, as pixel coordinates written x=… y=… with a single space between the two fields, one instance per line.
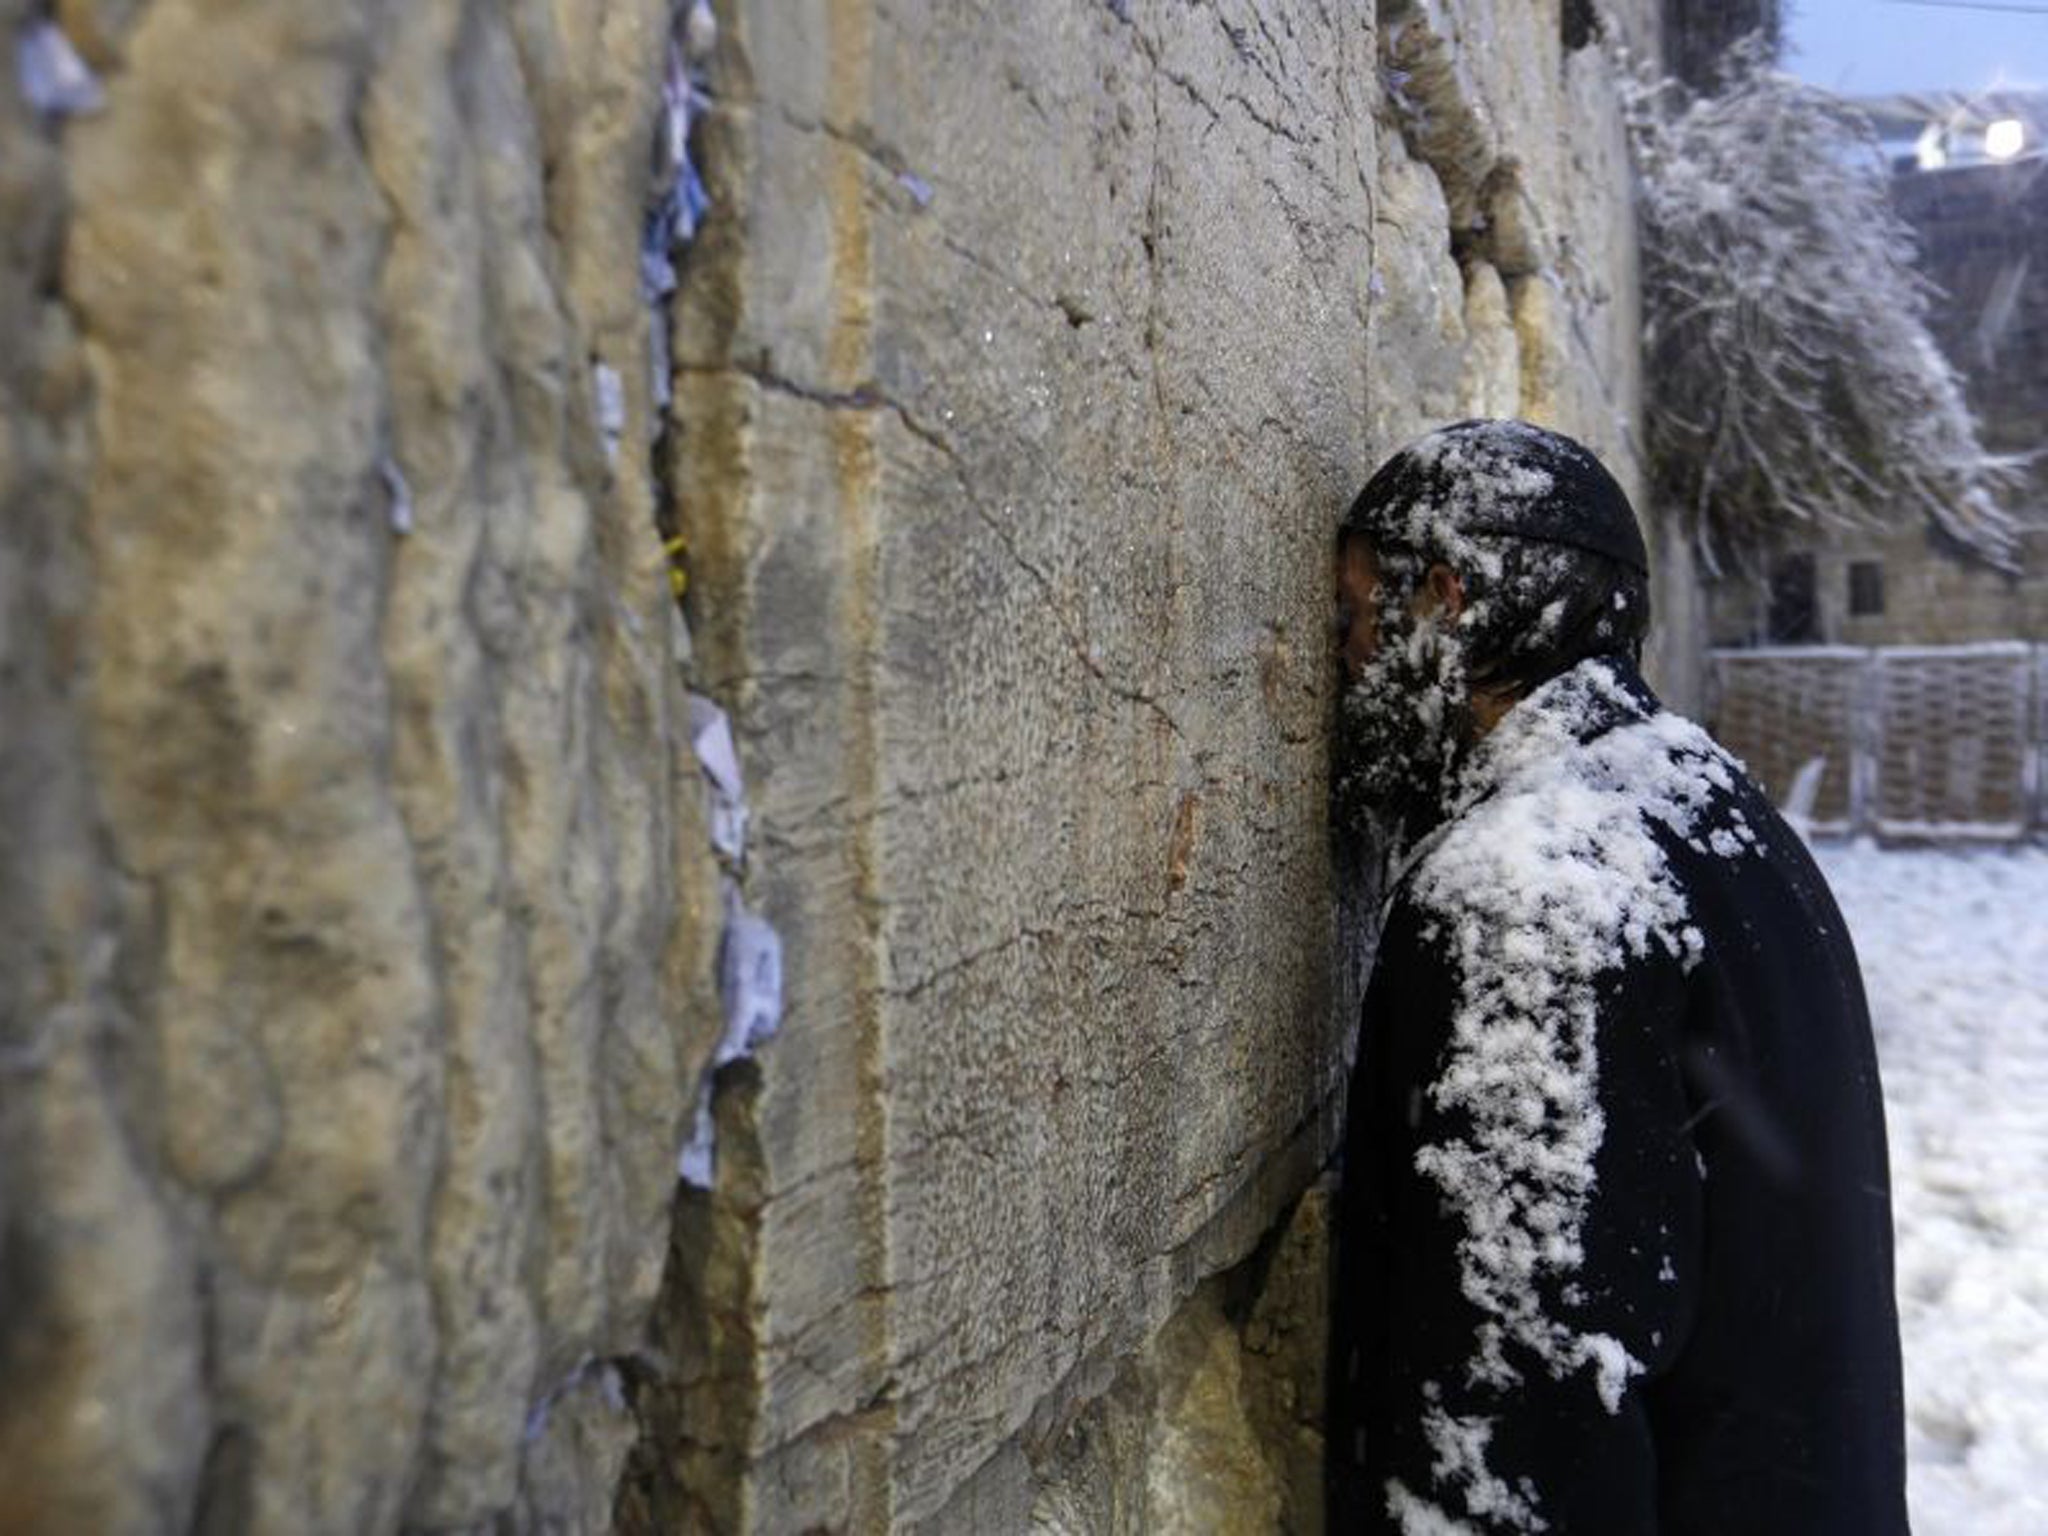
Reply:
x=1532 y=610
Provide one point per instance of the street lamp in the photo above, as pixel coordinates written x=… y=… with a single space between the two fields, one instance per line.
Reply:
x=2004 y=138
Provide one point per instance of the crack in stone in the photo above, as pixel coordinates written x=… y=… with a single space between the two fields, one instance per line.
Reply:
x=975 y=259
x=1277 y=129
x=862 y=140
x=968 y=961
x=1188 y=89
x=867 y=398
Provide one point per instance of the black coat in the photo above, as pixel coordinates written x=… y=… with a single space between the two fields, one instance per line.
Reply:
x=1738 y=1240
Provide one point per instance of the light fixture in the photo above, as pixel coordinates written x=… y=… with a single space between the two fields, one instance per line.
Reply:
x=2004 y=138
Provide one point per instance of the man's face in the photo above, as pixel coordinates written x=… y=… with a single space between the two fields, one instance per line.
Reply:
x=1358 y=596
x=1405 y=707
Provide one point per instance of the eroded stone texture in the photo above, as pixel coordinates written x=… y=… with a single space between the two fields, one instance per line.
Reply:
x=1524 y=141
x=1418 y=332
x=356 y=894
x=1022 y=390
x=1492 y=383
x=1018 y=508
x=356 y=913
x=1214 y=1427
x=1018 y=421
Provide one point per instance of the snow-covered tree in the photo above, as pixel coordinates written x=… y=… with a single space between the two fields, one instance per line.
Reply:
x=1791 y=373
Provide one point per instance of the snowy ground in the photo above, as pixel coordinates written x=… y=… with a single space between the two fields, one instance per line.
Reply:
x=1954 y=948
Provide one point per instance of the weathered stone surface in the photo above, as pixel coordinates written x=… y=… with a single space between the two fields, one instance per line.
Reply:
x=1017 y=510
x=1417 y=336
x=1525 y=142
x=1214 y=1427
x=356 y=913
x=1597 y=267
x=1022 y=387
x=1492 y=383
x=1433 y=52
x=358 y=906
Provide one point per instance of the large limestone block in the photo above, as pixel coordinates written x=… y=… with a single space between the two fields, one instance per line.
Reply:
x=1543 y=335
x=1599 y=270
x=354 y=867
x=1492 y=382
x=1213 y=1426
x=1025 y=390
x=1419 y=308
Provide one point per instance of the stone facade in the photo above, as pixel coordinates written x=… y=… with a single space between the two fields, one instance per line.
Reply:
x=1927 y=592
x=359 y=904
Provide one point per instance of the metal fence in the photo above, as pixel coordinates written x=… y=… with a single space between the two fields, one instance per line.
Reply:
x=1914 y=743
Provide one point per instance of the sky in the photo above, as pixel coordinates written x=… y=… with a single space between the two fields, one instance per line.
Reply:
x=1876 y=47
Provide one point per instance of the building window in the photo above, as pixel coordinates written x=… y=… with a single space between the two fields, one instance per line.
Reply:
x=1794 y=616
x=1866 y=588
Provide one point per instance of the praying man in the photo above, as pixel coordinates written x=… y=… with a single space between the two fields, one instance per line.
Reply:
x=1615 y=1238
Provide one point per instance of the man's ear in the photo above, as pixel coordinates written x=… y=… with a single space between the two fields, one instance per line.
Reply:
x=1446 y=591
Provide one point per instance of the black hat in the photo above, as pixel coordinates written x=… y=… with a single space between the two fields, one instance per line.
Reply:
x=1498 y=477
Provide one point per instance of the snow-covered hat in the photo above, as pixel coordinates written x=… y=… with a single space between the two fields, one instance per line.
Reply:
x=1498 y=477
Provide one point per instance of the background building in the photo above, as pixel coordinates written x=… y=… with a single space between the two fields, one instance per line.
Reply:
x=1982 y=224
x=1891 y=681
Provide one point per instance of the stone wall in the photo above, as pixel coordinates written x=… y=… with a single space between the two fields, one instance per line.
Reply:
x=359 y=904
x=1507 y=273
x=1023 y=376
x=356 y=909
x=1021 y=382
x=1932 y=593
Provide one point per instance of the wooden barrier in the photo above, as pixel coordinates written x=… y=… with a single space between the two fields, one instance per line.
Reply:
x=1916 y=743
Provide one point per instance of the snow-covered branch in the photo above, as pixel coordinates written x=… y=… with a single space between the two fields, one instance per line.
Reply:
x=1791 y=373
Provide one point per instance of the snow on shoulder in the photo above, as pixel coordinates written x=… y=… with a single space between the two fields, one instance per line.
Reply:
x=1546 y=877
